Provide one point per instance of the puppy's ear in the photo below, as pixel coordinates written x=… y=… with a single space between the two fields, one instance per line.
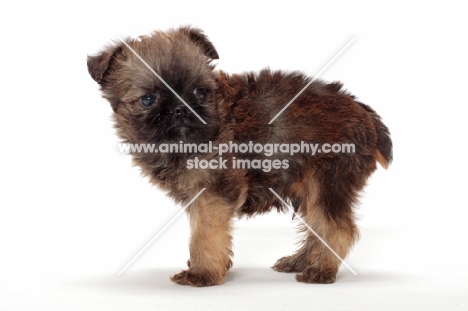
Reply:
x=197 y=36
x=99 y=64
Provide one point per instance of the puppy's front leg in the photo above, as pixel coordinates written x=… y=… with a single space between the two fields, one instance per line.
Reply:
x=210 y=242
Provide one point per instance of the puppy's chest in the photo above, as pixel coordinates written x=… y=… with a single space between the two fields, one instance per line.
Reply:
x=175 y=175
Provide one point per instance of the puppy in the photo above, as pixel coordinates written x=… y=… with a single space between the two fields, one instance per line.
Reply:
x=220 y=109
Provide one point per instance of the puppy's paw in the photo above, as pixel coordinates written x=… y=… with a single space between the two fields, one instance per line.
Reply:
x=290 y=264
x=314 y=275
x=196 y=278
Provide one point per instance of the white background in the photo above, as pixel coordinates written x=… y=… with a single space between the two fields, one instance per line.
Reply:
x=74 y=211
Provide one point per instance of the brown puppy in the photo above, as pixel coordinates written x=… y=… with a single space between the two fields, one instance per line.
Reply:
x=237 y=110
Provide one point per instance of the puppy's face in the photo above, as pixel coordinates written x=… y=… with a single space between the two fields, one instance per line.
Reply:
x=146 y=110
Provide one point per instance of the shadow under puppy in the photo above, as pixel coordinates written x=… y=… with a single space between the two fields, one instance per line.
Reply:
x=237 y=108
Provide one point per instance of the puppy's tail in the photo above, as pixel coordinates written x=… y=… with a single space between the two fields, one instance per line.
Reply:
x=384 y=152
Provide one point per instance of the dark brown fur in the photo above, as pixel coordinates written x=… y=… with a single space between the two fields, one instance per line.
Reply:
x=323 y=188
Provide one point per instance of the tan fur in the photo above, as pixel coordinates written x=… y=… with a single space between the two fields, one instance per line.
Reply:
x=322 y=265
x=380 y=158
x=210 y=242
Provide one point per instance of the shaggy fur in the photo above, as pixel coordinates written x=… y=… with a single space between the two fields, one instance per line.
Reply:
x=323 y=188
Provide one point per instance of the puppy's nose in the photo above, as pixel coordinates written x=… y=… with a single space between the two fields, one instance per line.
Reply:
x=178 y=111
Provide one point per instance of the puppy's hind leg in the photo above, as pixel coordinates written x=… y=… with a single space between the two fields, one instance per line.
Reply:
x=332 y=218
x=210 y=242
x=307 y=191
x=320 y=264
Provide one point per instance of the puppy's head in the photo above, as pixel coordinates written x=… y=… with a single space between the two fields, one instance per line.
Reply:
x=146 y=109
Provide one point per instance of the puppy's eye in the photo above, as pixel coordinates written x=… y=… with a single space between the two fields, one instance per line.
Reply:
x=199 y=93
x=147 y=100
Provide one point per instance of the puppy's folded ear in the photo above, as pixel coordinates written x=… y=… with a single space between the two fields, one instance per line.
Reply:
x=99 y=64
x=197 y=36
